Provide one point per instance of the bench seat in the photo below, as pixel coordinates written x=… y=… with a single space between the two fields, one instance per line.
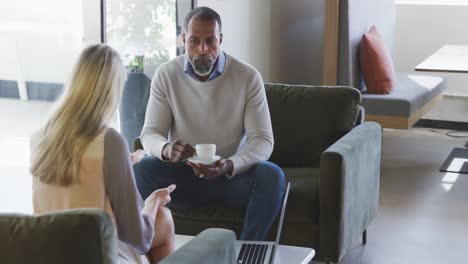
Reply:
x=410 y=99
x=413 y=95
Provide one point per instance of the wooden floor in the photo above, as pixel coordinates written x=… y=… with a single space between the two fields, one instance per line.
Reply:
x=423 y=214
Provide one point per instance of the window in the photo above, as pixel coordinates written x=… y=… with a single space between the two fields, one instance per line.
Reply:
x=39 y=42
x=143 y=31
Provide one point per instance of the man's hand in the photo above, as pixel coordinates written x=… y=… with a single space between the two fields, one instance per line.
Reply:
x=177 y=151
x=221 y=167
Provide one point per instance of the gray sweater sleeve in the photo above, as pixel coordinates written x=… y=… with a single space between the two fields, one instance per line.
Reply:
x=133 y=227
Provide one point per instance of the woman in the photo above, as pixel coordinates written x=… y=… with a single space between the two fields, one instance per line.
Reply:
x=77 y=161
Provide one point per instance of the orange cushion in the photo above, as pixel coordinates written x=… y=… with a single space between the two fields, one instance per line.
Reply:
x=376 y=63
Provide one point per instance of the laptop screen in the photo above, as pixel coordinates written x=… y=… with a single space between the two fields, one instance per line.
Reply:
x=283 y=210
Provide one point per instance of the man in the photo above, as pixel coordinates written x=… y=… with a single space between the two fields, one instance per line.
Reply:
x=207 y=96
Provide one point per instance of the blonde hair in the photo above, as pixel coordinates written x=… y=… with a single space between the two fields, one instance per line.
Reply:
x=92 y=97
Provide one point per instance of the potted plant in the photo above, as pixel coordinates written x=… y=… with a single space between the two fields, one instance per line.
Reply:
x=136 y=64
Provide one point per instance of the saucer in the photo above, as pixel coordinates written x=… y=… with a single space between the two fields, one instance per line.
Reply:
x=197 y=160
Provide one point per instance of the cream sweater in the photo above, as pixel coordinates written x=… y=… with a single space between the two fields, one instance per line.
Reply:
x=230 y=111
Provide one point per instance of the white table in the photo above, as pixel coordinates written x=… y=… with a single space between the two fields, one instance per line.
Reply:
x=449 y=58
x=284 y=254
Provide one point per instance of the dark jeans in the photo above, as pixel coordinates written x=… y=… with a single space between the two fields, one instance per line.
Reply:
x=259 y=190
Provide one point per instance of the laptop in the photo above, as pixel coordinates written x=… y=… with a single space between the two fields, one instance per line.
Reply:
x=261 y=252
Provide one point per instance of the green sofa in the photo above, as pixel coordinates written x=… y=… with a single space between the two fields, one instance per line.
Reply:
x=87 y=236
x=332 y=160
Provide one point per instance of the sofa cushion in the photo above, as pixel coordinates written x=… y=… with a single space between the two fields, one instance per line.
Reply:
x=410 y=93
x=312 y=116
x=304 y=194
x=376 y=63
x=302 y=212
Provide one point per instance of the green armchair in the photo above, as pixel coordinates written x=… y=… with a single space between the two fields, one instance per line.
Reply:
x=88 y=236
x=332 y=160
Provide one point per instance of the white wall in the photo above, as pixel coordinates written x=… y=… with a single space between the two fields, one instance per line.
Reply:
x=300 y=35
x=282 y=39
x=422 y=29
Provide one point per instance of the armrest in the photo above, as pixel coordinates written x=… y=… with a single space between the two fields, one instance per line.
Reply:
x=349 y=188
x=212 y=245
x=74 y=236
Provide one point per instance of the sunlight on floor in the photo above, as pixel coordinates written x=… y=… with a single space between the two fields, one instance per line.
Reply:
x=449 y=180
x=457 y=164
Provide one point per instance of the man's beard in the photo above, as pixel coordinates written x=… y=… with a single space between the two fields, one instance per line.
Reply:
x=202 y=65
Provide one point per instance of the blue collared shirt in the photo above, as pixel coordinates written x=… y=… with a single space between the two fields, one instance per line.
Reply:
x=217 y=71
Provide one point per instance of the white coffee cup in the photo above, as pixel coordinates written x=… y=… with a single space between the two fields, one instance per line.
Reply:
x=205 y=151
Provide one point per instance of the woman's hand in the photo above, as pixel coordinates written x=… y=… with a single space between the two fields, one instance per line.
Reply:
x=158 y=199
x=137 y=156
